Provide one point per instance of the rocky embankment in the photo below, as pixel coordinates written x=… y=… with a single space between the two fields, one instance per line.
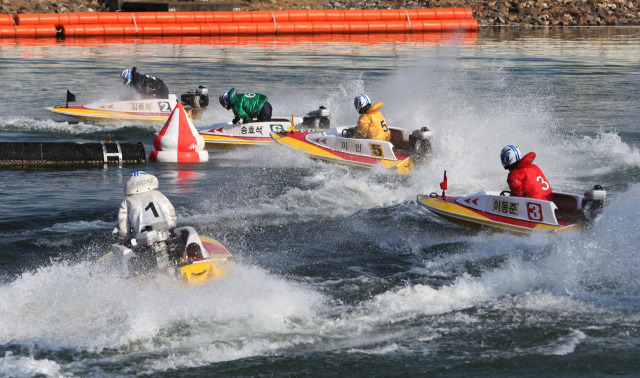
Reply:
x=508 y=13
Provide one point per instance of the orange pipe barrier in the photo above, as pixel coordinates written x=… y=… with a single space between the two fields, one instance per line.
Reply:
x=59 y=19
x=27 y=31
x=267 y=28
x=6 y=19
x=255 y=16
x=159 y=24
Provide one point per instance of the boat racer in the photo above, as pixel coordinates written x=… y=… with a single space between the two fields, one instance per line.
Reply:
x=371 y=124
x=246 y=106
x=147 y=216
x=145 y=85
x=525 y=179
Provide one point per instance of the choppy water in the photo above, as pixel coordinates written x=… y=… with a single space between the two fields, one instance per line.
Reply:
x=338 y=272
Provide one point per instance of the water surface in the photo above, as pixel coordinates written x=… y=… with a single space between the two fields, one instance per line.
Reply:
x=337 y=271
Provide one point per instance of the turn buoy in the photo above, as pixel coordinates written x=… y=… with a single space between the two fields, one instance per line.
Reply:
x=179 y=141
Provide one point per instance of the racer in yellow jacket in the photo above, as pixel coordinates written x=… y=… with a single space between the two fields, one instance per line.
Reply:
x=371 y=124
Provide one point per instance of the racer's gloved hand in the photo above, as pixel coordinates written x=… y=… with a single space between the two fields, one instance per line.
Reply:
x=349 y=133
x=236 y=121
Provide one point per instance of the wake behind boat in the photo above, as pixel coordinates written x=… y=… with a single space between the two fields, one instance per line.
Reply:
x=229 y=135
x=499 y=211
x=147 y=111
x=405 y=149
x=183 y=254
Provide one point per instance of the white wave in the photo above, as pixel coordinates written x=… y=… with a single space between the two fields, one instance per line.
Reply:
x=71 y=227
x=577 y=272
x=17 y=366
x=383 y=350
x=24 y=124
x=566 y=345
x=330 y=192
x=601 y=262
x=49 y=125
x=248 y=312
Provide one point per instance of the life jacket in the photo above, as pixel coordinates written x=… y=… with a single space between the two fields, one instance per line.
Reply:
x=138 y=211
x=527 y=180
x=373 y=125
x=148 y=86
x=246 y=105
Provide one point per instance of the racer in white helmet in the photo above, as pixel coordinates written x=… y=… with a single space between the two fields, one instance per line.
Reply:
x=510 y=155
x=360 y=102
x=145 y=85
x=224 y=100
x=525 y=178
x=144 y=208
x=371 y=124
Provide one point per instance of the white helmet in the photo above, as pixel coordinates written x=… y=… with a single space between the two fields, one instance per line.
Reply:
x=510 y=155
x=361 y=101
x=126 y=77
x=140 y=182
x=224 y=100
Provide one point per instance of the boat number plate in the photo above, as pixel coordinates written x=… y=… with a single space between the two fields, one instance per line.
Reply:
x=505 y=207
x=165 y=106
x=534 y=211
x=376 y=150
x=276 y=127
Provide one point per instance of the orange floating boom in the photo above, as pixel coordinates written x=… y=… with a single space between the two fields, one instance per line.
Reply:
x=162 y=24
x=59 y=19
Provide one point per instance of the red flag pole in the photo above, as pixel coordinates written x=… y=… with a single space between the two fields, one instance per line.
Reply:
x=443 y=184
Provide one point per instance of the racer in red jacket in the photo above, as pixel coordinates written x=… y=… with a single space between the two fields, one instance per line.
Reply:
x=525 y=178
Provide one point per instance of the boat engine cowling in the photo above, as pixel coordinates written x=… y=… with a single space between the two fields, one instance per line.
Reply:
x=317 y=119
x=196 y=101
x=593 y=201
x=151 y=237
x=421 y=140
x=196 y=98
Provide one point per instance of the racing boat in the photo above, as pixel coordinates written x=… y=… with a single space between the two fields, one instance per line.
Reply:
x=522 y=215
x=183 y=254
x=405 y=149
x=229 y=135
x=148 y=111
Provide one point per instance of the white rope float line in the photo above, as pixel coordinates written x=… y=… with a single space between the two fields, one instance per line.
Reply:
x=408 y=19
x=135 y=23
x=275 y=24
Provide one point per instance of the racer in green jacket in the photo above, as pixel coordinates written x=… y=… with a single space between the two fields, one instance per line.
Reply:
x=246 y=106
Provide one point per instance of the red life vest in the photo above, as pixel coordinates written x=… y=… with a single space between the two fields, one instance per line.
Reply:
x=527 y=180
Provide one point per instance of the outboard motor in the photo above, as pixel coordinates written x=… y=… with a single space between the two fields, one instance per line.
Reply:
x=421 y=141
x=196 y=101
x=151 y=237
x=203 y=93
x=154 y=241
x=593 y=202
x=317 y=119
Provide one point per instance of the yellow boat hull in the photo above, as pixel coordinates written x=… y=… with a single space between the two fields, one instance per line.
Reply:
x=202 y=271
x=227 y=142
x=146 y=111
x=298 y=142
x=448 y=209
x=94 y=115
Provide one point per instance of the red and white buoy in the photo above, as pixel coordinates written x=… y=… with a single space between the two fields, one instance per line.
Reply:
x=179 y=141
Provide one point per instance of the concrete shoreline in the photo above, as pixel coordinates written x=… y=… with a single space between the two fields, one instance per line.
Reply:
x=488 y=13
